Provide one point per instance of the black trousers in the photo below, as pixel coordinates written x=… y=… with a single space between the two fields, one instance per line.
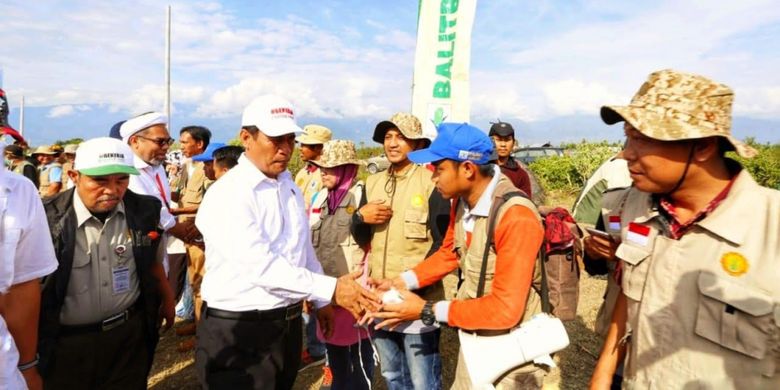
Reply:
x=177 y=274
x=248 y=354
x=113 y=359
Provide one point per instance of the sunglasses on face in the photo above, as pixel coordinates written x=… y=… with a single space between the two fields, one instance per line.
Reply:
x=159 y=141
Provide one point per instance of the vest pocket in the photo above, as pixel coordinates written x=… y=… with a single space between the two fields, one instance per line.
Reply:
x=315 y=233
x=634 y=269
x=416 y=224
x=734 y=315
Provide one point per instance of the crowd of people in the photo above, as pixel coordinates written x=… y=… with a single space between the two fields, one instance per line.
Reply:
x=370 y=271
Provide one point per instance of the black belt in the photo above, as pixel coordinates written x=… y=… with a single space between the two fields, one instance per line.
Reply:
x=488 y=332
x=102 y=326
x=281 y=313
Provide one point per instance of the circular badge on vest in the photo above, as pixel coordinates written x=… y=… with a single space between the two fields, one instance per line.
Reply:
x=417 y=200
x=734 y=263
x=350 y=209
x=120 y=249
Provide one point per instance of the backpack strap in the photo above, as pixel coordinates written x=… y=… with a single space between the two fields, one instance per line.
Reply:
x=491 y=226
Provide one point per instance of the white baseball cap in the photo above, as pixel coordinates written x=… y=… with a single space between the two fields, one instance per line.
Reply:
x=104 y=156
x=140 y=122
x=273 y=115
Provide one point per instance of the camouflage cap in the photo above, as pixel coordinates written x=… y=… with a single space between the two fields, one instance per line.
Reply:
x=674 y=106
x=337 y=152
x=406 y=123
x=314 y=135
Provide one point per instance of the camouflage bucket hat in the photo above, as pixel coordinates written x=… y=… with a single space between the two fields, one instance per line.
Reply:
x=675 y=106
x=406 y=123
x=337 y=152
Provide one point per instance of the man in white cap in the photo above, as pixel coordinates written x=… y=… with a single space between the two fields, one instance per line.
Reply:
x=261 y=264
x=26 y=255
x=148 y=138
x=102 y=309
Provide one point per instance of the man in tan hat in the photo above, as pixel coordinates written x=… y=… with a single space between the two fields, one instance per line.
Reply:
x=309 y=178
x=49 y=171
x=699 y=251
x=404 y=220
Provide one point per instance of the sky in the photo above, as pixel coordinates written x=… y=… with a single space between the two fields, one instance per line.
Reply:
x=545 y=66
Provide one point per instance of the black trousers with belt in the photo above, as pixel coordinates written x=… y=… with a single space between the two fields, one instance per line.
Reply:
x=97 y=359
x=249 y=350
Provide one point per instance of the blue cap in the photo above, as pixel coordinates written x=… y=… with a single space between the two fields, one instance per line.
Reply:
x=459 y=142
x=208 y=154
x=114 y=132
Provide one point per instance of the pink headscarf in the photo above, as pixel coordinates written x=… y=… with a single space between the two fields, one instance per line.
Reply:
x=345 y=176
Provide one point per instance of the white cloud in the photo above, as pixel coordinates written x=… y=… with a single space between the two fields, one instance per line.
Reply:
x=570 y=97
x=66 y=110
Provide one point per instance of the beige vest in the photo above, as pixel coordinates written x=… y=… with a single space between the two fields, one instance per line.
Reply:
x=403 y=242
x=470 y=257
x=19 y=166
x=703 y=310
x=309 y=183
x=610 y=206
x=194 y=187
x=337 y=251
x=43 y=178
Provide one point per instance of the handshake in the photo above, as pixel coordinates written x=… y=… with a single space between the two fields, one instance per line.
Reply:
x=386 y=299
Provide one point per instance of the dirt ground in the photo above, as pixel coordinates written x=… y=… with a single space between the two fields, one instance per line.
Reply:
x=175 y=370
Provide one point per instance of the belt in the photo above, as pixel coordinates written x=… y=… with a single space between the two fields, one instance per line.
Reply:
x=488 y=332
x=281 y=313
x=102 y=326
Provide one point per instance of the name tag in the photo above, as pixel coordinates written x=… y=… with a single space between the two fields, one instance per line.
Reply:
x=121 y=278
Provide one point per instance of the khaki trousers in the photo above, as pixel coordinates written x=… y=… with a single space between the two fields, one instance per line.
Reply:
x=196 y=266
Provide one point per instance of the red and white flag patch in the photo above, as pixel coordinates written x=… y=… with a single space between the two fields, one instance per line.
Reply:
x=638 y=234
x=614 y=222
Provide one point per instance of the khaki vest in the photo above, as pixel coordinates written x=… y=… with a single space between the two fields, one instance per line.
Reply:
x=403 y=242
x=610 y=206
x=193 y=187
x=337 y=251
x=470 y=257
x=703 y=311
x=43 y=178
x=309 y=183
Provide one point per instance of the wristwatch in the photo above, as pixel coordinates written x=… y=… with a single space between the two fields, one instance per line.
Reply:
x=427 y=316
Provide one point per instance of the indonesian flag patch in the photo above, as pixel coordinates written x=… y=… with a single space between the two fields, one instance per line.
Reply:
x=638 y=234
x=614 y=222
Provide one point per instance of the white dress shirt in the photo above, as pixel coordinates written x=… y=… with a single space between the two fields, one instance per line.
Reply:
x=259 y=254
x=146 y=184
x=26 y=253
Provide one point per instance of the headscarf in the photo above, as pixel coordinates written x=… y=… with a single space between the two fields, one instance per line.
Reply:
x=345 y=176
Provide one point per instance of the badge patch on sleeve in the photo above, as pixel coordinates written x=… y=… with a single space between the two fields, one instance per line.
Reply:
x=734 y=263
x=638 y=234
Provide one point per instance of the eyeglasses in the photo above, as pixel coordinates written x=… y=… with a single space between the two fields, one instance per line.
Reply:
x=159 y=141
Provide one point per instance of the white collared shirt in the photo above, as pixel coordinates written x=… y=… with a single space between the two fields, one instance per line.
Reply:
x=146 y=184
x=259 y=254
x=26 y=253
x=482 y=208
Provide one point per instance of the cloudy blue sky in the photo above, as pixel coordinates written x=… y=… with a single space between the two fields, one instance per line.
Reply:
x=546 y=66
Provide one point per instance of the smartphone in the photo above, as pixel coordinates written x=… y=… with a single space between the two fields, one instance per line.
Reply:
x=600 y=233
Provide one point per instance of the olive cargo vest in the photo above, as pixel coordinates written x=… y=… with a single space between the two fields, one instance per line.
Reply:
x=43 y=178
x=470 y=257
x=704 y=310
x=402 y=242
x=336 y=250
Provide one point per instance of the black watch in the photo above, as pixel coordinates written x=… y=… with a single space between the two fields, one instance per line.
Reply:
x=427 y=316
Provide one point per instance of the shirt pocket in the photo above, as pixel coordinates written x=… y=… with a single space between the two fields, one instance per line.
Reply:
x=734 y=315
x=10 y=239
x=316 y=228
x=635 y=267
x=416 y=224
x=80 y=275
